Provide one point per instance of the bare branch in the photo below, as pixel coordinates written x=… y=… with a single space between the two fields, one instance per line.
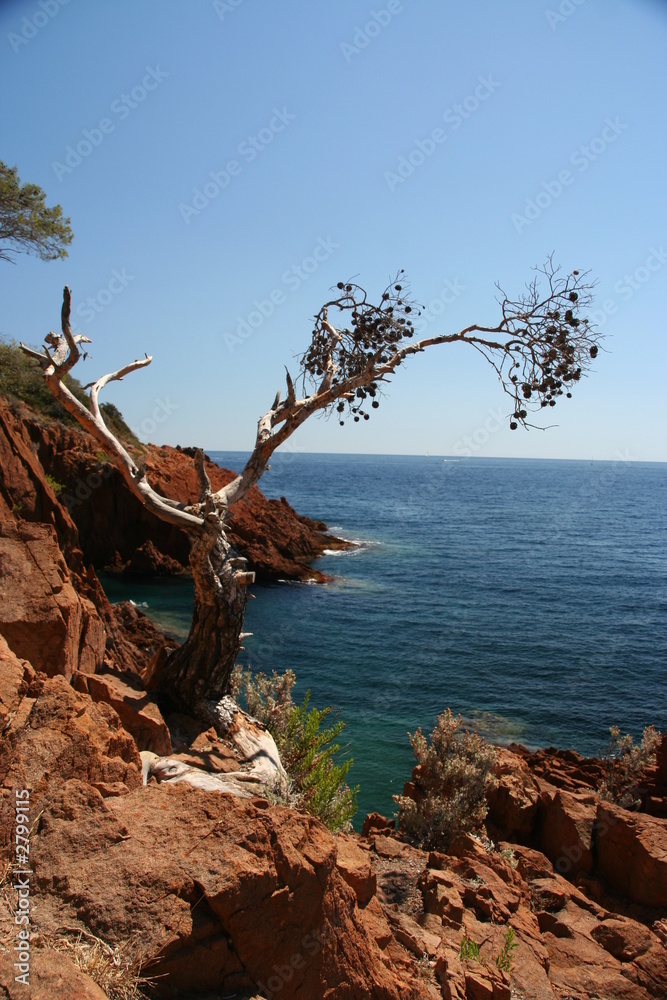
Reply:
x=96 y=387
x=290 y=388
x=44 y=359
x=539 y=350
x=65 y=355
x=205 y=492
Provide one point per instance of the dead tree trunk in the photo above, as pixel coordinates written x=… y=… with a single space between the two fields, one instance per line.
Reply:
x=200 y=669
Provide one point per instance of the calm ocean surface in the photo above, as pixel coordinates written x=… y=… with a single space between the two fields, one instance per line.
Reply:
x=530 y=596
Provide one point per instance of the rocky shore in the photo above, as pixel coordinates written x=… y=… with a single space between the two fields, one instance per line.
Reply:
x=151 y=835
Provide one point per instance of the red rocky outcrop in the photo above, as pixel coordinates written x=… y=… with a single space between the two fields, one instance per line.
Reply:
x=53 y=610
x=567 y=944
x=212 y=891
x=116 y=530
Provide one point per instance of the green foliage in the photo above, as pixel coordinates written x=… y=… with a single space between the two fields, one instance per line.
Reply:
x=454 y=769
x=469 y=949
x=113 y=418
x=54 y=484
x=626 y=764
x=308 y=747
x=21 y=378
x=504 y=959
x=26 y=224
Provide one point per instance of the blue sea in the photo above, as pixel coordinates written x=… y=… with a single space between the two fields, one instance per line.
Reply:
x=530 y=596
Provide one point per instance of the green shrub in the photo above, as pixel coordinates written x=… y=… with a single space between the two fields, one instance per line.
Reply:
x=452 y=778
x=504 y=959
x=21 y=378
x=54 y=484
x=469 y=949
x=625 y=765
x=308 y=749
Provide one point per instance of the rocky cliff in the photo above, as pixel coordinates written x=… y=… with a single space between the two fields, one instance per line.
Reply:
x=116 y=531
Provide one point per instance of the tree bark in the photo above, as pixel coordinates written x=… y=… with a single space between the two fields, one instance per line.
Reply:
x=200 y=669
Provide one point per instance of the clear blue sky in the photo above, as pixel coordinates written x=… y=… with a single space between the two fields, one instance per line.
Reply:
x=314 y=105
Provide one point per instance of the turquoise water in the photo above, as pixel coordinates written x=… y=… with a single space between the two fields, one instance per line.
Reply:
x=530 y=596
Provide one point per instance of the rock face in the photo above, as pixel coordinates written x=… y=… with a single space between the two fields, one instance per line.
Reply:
x=53 y=611
x=42 y=616
x=115 y=529
x=632 y=854
x=567 y=945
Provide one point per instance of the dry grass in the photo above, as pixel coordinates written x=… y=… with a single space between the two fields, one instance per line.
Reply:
x=7 y=905
x=116 y=970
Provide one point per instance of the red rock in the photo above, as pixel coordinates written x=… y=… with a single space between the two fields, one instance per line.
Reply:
x=63 y=735
x=514 y=798
x=147 y=561
x=377 y=823
x=114 y=527
x=389 y=847
x=625 y=939
x=144 y=860
x=632 y=854
x=579 y=967
x=355 y=867
x=417 y=939
x=137 y=711
x=42 y=617
x=440 y=891
x=376 y=923
x=566 y=830
x=14 y=678
x=52 y=976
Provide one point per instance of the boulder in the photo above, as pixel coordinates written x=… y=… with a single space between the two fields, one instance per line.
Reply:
x=52 y=976
x=354 y=865
x=566 y=827
x=42 y=616
x=137 y=710
x=513 y=799
x=631 y=851
x=377 y=823
x=187 y=874
x=58 y=734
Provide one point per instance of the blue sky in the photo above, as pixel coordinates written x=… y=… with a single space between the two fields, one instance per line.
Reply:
x=224 y=163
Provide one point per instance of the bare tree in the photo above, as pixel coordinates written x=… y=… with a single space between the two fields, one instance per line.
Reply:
x=540 y=348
